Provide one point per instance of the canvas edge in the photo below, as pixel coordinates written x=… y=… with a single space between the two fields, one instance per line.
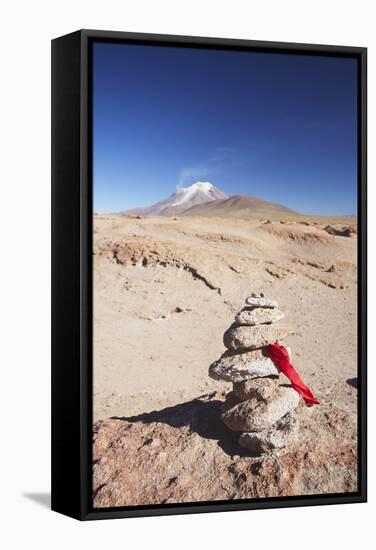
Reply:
x=82 y=508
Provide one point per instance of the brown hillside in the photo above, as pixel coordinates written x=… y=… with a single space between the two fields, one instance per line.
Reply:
x=239 y=206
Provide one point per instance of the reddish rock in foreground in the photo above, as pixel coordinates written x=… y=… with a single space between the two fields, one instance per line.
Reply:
x=185 y=454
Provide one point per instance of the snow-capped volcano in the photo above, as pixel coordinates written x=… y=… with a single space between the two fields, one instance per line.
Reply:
x=183 y=198
x=201 y=191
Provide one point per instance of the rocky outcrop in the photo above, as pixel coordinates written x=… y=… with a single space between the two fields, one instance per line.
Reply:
x=342 y=231
x=184 y=454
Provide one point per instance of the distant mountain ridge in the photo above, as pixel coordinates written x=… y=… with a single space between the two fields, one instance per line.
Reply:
x=183 y=199
x=204 y=199
x=239 y=206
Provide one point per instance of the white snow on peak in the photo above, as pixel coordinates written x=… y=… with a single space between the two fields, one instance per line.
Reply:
x=203 y=185
x=186 y=193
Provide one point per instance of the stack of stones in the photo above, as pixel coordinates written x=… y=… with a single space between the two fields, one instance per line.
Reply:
x=260 y=408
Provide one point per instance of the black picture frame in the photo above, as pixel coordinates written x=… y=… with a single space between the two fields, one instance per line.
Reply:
x=72 y=274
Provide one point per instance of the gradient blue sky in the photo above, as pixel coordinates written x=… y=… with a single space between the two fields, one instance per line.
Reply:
x=276 y=126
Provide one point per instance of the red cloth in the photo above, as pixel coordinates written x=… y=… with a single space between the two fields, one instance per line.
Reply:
x=280 y=357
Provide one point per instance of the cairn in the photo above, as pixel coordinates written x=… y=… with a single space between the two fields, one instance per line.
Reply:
x=259 y=407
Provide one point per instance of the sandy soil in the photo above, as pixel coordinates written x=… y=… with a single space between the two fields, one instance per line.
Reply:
x=165 y=290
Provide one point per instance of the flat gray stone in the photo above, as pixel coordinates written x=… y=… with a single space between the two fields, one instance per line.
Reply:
x=256 y=415
x=248 y=338
x=254 y=316
x=238 y=367
x=277 y=437
x=260 y=302
x=258 y=388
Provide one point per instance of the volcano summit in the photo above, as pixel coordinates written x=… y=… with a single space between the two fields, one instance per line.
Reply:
x=183 y=198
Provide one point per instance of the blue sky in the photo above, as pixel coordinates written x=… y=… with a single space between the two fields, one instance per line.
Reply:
x=276 y=126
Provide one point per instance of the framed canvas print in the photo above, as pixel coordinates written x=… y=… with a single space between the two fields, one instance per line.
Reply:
x=208 y=274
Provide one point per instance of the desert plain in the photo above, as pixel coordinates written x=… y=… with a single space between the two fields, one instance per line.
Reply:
x=165 y=290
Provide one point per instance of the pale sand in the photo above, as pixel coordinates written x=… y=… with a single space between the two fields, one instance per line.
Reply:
x=158 y=326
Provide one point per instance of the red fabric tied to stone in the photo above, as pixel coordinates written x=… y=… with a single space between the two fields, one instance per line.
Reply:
x=280 y=357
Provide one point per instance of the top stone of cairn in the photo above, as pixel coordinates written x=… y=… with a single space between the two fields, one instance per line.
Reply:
x=259 y=300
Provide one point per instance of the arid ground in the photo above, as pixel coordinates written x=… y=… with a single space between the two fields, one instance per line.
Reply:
x=165 y=289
